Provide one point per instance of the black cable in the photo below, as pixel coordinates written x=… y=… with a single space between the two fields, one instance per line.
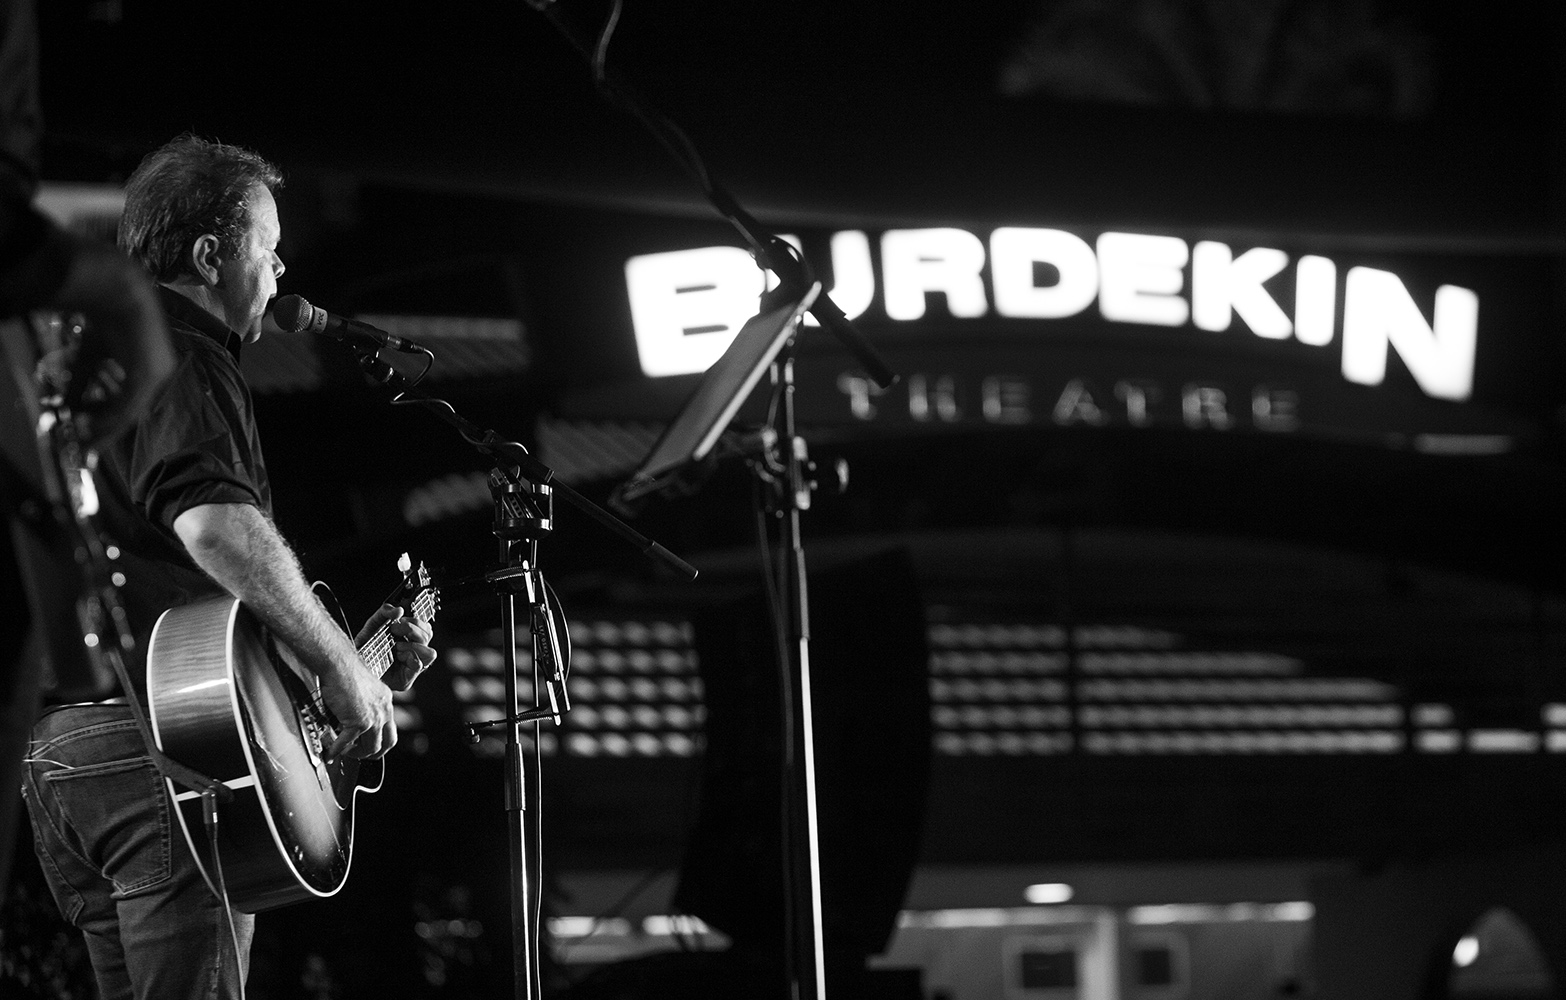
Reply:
x=771 y=569
x=666 y=132
x=209 y=817
x=601 y=51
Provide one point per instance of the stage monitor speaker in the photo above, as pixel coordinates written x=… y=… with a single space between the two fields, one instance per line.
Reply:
x=869 y=674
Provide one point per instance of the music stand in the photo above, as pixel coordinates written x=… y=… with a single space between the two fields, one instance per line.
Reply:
x=723 y=389
x=690 y=438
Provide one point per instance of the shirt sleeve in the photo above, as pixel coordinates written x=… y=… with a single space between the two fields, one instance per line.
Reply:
x=194 y=447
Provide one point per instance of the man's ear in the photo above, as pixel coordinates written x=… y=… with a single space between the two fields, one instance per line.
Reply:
x=205 y=259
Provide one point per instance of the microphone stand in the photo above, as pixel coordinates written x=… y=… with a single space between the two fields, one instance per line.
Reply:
x=804 y=931
x=523 y=491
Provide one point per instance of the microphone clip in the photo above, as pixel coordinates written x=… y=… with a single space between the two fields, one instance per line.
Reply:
x=372 y=364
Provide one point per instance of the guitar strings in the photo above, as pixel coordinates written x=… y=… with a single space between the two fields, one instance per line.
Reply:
x=381 y=643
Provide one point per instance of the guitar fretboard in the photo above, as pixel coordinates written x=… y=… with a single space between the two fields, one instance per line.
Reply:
x=377 y=649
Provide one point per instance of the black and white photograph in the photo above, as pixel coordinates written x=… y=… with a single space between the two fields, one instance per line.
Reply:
x=605 y=500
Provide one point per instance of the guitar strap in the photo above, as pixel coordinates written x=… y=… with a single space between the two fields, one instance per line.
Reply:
x=63 y=477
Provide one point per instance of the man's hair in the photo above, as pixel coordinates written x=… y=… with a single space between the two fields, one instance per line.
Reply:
x=189 y=188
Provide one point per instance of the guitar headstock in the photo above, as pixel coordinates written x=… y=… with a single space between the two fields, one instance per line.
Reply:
x=417 y=594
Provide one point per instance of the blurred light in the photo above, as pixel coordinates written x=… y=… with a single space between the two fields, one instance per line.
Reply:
x=1466 y=952
x=674 y=661
x=1463 y=444
x=917 y=261
x=612 y=689
x=1439 y=740
x=571 y=926
x=687 y=306
x=1301 y=689
x=1433 y=715
x=1371 y=741
x=987 y=917
x=1048 y=892
x=998 y=663
x=1013 y=255
x=659 y=925
x=407 y=717
x=1222 y=285
x=1207 y=913
x=1264 y=664
x=446 y=497
x=1011 y=744
x=1378 y=312
x=680 y=745
x=1141 y=277
x=467 y=689
x=677 y=690
x=672 y=634
x=1315 y=300
x=567 y=927
x=643 y=689
x=1234 y=716
x=1503 y=741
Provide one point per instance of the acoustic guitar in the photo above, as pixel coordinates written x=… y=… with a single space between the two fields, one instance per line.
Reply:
x=231 y=701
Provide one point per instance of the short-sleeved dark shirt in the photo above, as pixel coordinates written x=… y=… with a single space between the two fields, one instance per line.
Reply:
x=197 y=445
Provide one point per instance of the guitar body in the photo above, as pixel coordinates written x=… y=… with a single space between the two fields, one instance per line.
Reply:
x=231 y=702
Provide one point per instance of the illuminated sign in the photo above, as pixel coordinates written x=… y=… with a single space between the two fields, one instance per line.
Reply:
x=687 y=305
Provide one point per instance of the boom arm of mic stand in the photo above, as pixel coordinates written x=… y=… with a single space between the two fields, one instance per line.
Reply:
x=833 y=320
x=767 y=247
x=532 y=469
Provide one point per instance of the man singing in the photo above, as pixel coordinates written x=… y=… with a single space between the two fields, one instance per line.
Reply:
x=184 y=495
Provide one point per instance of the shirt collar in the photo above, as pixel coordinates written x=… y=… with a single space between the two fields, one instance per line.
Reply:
x=178 y=307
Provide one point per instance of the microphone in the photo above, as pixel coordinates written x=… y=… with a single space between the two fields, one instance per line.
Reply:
x=295 y=315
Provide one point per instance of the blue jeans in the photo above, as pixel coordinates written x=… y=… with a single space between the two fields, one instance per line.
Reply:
x=119 y=867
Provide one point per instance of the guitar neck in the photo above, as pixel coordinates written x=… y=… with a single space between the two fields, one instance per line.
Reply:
x=376 y=651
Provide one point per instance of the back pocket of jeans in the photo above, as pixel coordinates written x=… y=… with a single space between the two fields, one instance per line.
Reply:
x=119 y=815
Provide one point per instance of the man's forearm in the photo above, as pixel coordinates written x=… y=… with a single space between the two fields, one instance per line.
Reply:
x=243 y=551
